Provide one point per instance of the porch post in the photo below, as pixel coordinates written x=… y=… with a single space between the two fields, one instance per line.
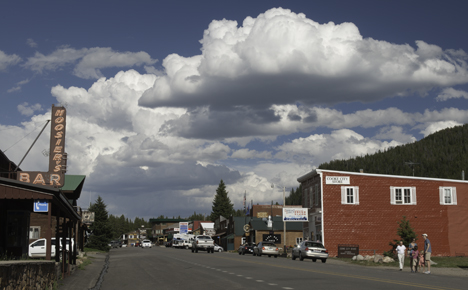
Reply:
x=49 y=232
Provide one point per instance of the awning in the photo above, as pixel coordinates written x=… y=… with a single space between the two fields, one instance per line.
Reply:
x=229 y=237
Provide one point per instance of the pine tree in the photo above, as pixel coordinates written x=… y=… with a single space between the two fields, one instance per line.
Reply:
x=222 y=205
x=406 y=233
x=101 y=231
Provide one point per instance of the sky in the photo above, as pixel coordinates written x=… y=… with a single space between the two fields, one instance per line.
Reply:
x=166 y=98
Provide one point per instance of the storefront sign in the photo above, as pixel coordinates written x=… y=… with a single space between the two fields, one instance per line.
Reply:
x=295 y=214
x=87 y=217
x=57 y=157
x=272 y=238
x=347 y=251
x=262 y=214
x=337 y=180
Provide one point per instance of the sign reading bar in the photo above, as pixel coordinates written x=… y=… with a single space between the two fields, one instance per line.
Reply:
x=295 y=214
x=57 y=161
x=337 y=180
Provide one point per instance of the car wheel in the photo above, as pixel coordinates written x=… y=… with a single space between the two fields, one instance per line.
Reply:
x=293 y=256
x=269 y=256
x=219 y=250
x=276 y=256
x=300 y=257
x=314 y=260
x=324 y=260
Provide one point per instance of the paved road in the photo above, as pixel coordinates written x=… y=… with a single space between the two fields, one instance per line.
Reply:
x=167 y=268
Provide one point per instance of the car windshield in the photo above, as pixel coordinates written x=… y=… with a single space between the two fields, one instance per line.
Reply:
x=204 y=238
x=314 y=245
x=146 y=241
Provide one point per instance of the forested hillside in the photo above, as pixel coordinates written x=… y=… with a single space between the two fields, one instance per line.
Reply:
x=443 y=154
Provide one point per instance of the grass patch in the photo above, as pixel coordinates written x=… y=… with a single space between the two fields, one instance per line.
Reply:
x=450 y=262
x=86 y=250
x=85 y=263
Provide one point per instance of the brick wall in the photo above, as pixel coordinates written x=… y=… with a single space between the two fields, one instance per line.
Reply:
x=373 y=223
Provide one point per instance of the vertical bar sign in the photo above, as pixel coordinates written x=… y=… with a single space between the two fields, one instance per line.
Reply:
x=57 y=161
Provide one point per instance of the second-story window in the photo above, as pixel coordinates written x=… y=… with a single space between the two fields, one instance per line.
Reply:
x=349 y=195
x=448 y=195
x=402 y=195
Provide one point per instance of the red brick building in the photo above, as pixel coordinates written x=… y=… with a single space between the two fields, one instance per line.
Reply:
x=364 y=209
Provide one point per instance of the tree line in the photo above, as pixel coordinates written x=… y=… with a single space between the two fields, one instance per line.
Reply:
x=443 y=154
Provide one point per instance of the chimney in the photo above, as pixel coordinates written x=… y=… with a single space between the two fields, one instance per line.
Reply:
x=361 y=170
x=463 y=174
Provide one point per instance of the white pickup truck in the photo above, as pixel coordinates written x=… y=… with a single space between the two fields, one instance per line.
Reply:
x=203 y=243
x=37 y=249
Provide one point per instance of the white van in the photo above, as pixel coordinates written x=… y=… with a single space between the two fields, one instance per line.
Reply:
x=37 y=249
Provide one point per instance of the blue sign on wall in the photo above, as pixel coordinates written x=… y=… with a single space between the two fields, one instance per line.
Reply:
x=41 y=205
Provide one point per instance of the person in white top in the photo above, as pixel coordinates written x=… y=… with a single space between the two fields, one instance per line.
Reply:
x=401 y=250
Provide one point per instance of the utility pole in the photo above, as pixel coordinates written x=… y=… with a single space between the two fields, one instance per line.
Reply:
x=412 y=165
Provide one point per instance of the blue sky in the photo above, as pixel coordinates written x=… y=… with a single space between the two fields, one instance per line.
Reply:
x=165 y=99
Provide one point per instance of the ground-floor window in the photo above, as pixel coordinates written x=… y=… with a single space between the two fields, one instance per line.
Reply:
x=34 y=232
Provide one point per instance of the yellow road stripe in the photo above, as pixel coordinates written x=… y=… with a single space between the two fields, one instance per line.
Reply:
x=348 y=275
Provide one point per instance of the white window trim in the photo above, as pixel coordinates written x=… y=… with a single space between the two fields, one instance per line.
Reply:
x=442 y=196
x=344 y=199
x=412 y=194
x=38 y=232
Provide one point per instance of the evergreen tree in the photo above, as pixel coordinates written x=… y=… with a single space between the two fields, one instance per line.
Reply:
x=222 y=205
x=101 y=231
x=406 y=233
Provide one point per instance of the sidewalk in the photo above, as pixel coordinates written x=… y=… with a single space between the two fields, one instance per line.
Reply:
x=87 y=278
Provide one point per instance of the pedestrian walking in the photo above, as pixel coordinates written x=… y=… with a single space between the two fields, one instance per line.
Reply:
x=401 y=250
x=421 y=261
x=411 y=247
x=427 y=253
x=414 y=260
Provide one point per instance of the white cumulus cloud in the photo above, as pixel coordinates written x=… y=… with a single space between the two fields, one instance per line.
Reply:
x=451 y=93
x=282 y=57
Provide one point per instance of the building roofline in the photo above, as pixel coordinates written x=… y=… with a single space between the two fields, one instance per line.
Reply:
x=319 y=171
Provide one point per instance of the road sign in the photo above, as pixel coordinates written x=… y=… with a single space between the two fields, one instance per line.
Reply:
x=183 y=227
x=41 y=205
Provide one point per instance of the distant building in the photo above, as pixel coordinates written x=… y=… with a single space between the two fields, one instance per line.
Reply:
x=364 y=209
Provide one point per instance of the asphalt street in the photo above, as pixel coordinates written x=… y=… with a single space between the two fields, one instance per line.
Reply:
x=168 y=268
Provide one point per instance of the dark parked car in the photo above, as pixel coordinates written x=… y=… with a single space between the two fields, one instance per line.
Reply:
x=246 y=248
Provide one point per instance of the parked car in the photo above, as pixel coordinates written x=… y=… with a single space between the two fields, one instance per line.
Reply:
x=115 y=244
x=266 y=248
x=310 y=250
x=37 y=249
x=218 y=248
x=246 y=248
x=123 y=245
x=146 y=244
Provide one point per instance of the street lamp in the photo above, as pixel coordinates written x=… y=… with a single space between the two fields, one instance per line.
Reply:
x=282 y=214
